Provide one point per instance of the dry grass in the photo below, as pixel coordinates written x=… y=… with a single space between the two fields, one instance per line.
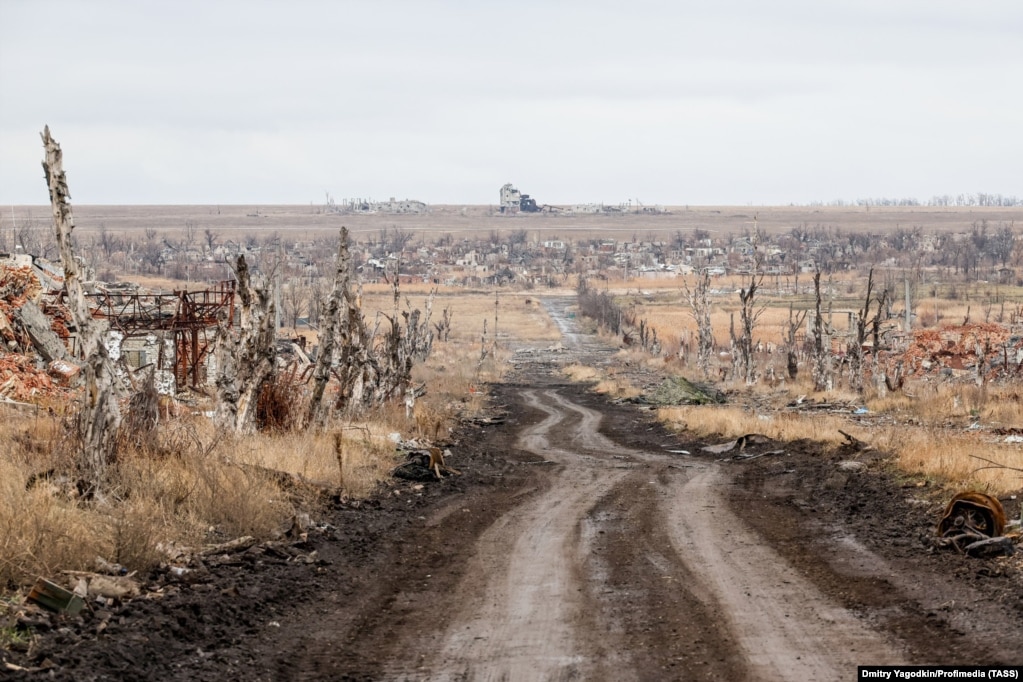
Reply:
x=192 y=485
x=948 y=456
x=726 y=422
x=520 y=318
x=177 y=496
x=942 y=455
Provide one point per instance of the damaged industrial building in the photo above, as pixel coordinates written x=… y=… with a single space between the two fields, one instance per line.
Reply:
x=170 y=333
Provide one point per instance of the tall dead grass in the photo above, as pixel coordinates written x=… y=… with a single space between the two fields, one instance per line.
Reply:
x=186 y=483
x=726 y=422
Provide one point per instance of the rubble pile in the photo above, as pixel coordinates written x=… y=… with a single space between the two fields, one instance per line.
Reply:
x=17 y=286
x=956 y=350
x=22 y=381
x=32 y=353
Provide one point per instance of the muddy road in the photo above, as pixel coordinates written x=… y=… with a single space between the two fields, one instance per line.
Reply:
x=541 y=606
x=583 y=542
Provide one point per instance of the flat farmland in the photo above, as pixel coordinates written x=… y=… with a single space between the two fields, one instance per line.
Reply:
x=313 y=220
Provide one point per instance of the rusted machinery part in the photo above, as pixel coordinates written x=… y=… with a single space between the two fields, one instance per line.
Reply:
x=973 y=512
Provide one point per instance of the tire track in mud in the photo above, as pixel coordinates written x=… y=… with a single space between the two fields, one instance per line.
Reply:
x=532 y=618
x=631 y=566
x=784 y=627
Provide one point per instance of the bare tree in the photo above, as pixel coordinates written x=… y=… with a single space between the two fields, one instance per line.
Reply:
x=294 y=301
x=823 y=380
x=863 y=321
x=100 y=415
x=369 y=372
x=699 y=308
x=749 y=314
x=791 y=330
x=444 y=326
x=211 y=238
x=337 y=302
x=246 y=360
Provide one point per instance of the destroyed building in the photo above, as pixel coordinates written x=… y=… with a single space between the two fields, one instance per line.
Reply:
x=171 y=333
x=514 y=201
x=392 y=206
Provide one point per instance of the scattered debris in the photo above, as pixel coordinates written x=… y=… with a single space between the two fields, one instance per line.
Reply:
x=55 y=598
x=973 y=523
x=679 y=391
x=987 y=350
x=991 y=547
x=425 y=465
x=855 y=442
x=741 y=442
x=92 y=585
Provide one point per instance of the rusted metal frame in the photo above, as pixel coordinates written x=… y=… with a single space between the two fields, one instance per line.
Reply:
x=193 y=314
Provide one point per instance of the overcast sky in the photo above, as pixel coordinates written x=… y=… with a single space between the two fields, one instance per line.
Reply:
x=724 y=102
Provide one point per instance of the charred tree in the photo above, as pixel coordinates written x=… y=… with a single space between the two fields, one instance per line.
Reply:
x=791 y=330
x=100 y=415
x=749 y=314
x=336 y=304
x=699 y=308
x=865 y=320
x=821 y=343
x=246 y=360
x=371 y=372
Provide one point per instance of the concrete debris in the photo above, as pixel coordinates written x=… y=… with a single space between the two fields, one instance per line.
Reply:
x=116 y=587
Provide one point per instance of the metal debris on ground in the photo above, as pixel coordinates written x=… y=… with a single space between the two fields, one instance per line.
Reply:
x=740 y=443
x=973 y=523
x=52 y=596
x=426 y=464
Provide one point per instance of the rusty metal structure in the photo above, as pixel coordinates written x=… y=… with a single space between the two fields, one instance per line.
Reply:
x=191 y=316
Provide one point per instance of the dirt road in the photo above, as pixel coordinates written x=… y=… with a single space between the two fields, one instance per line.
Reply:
x=580 y=544
x=537 y=611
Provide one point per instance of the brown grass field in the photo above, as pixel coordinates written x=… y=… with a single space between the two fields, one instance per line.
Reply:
x=300 y=222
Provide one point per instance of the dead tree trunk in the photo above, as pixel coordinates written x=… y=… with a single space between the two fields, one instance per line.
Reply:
x=821 y=350
x=246 y=361
x=749 y=313
x=371 y=373
x=339 y=296
x=791 y=356
x=877 y=371
x=854 y=349
x=100 y=416
x=699 y=308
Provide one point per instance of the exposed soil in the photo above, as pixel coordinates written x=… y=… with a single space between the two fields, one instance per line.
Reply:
x=575 y=546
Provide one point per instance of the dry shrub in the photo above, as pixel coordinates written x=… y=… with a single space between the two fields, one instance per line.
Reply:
x=945 y=455
x=40 y=531
x=367 y=455
x=581 y=373
x=280 y=402
x=705 y=421
x=176 y=490
x=616 y=386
